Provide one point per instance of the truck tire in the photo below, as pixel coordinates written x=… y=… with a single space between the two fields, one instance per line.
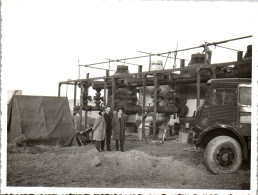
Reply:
x=223 y=154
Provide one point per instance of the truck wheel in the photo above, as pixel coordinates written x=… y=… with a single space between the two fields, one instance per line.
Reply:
x=223 y=154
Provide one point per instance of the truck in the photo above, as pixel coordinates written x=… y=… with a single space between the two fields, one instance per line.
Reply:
x=223 y=124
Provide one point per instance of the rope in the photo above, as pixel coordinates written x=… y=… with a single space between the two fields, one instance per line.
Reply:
x=166 y=61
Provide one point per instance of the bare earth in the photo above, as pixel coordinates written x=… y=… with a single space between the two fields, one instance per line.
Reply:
x=142 y=165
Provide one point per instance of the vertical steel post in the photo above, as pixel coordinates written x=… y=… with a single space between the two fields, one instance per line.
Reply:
x=107 y=73
x=155 y=106
x=150 y=62
x=213 y=69
x=59 y=89
x=74 y=94
x=205 y=52
x=182 y=65
x=198 y=84
x=74 y=98
x=113 y=94
x=108 y=66
x=86 y=106
x=139 y=70
x=105 y=92
x=143 y=104
x=81 y=99
x=239 y=55
x=86 y=88
x=79 y=71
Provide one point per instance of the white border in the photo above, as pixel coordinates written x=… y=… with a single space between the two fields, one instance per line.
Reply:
x=37 y=190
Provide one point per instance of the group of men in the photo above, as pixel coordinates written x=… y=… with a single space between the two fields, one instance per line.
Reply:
x=107 y=125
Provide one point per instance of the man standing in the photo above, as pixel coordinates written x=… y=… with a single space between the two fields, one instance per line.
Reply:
x=118 y=124
x=99 y=131
x=108 y=118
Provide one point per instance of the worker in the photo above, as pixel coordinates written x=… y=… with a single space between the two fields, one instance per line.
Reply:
x=99 y=131
x=108 y=119
x=118 y=126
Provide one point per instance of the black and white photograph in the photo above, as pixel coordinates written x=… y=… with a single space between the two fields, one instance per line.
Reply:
x=126 y=97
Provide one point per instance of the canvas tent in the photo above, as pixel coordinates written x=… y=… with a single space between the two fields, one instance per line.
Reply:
x=41 y=120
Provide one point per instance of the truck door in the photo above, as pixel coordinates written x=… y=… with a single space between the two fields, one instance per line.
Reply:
x=220 y=107
x=244 y=109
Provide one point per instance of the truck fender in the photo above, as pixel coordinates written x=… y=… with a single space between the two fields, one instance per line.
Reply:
x=229 y=128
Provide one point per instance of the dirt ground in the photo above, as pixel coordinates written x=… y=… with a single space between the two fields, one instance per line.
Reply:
x=143 y=165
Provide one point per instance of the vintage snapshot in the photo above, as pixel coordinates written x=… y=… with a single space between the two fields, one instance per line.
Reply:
x=146 y=97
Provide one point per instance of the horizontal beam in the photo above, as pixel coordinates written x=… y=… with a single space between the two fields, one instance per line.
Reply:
x=165 y=71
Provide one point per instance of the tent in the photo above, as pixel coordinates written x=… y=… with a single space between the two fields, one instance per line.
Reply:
x=41 y=120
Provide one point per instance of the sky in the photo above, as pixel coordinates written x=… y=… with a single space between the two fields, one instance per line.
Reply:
x=43 y=40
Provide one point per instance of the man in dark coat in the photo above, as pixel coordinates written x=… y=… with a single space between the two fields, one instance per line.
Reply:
x=118 y=125
x=108 y=119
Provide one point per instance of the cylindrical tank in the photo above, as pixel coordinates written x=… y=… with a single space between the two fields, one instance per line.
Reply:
x=149 y=91
x=248 y=53
x=244 y=70
x=156 y=65
x=121 y=69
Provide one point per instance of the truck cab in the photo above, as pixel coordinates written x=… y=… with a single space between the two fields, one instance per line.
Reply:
x=223 y=124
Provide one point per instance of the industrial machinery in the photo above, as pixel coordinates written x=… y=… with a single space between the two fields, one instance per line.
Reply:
x=153 y=98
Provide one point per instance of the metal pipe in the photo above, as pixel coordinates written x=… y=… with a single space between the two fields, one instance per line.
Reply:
x=208 y=44
x=81 y=99
x=79 y=71
x=74 y=94
x=161 y=54
x=239 y=55
x=118 y=60
x=150 y=62
x=227 y=48
x=132 y=64
x=107 y=73
x=105 y=92
x=139 y=70
x=59 y=89
x=156 y=86
x=108 y=66
x=150 y=82
x=113 y=94
x=247 y=61
x=205 y=52
x=182 y=64
x=74 y=101
x=166 y=60
x=96 y=67
x=213 y=69
x=86 y=105
x=198 y=84
x=143 y=105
